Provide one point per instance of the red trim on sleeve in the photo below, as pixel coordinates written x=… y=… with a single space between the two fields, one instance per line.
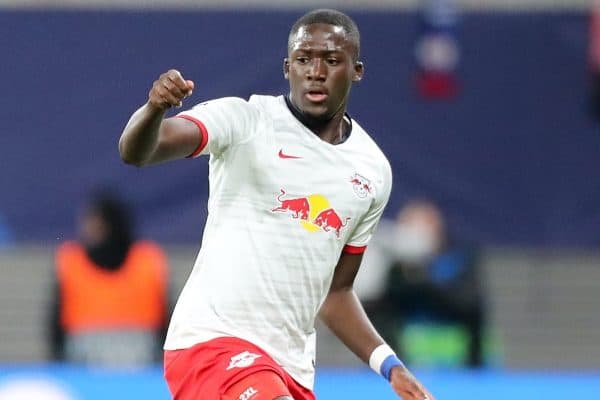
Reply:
x=354 y=249
x=203 y=134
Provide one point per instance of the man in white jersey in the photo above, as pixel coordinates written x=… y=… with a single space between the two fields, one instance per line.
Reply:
x=296 y=190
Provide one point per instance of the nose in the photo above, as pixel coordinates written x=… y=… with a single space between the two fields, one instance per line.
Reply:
x=317 y=70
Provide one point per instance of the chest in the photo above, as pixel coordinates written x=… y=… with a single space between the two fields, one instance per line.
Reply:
x=324 y=185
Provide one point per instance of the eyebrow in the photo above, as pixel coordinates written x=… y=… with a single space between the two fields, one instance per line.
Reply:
x=310 y=50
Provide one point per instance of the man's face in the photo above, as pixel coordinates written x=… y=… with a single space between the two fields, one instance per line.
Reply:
x=93 y=228
x=321 y=67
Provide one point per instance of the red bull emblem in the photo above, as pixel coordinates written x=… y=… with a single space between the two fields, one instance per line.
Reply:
x=330 y=220
x=298 y=207
x=361 y=185
x=313 y=212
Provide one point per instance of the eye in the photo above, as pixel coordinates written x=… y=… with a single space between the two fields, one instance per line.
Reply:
x=333 y=61
x=302 y=59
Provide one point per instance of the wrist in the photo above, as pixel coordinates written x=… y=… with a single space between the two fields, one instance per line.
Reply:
x=383 y=360
x=398 y=369
x=157 y=108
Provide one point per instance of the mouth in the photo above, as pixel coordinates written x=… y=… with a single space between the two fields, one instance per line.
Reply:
x=316 y=95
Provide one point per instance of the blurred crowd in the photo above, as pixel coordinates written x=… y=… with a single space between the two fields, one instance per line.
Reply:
x=110 y=298
x=419 y=282
x=110 y=301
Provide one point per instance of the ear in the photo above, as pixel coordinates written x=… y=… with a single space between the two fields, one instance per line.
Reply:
x=359 y=71
x=286 y=67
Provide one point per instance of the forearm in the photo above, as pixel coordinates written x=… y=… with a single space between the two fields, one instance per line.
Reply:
x=343 y=313
x=140 y=137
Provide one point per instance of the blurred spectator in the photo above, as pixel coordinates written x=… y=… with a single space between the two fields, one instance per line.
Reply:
x=437 y=50
x=426 y=276
x=110 y=300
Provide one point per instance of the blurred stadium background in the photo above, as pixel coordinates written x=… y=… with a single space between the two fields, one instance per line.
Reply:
x=508 y=152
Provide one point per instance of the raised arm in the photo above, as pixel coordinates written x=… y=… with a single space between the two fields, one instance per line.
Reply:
x=343 y=313
x=149 y=138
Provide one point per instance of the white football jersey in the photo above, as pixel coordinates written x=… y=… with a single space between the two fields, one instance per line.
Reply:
x=283 y=206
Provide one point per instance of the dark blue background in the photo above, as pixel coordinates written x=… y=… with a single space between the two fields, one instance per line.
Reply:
x=514 y=160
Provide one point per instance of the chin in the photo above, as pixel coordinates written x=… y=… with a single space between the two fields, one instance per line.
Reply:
x=316 y=112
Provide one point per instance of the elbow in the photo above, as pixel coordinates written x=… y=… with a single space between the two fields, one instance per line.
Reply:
x=129 y=157
x=135 y=162
x=325 y=310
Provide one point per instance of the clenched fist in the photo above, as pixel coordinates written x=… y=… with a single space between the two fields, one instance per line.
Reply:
x=169 y=90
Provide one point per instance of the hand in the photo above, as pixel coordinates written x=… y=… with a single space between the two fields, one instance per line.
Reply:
x=169 y=90
x=407 y=386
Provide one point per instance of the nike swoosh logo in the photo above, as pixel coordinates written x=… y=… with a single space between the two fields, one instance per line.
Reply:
x=282 y=155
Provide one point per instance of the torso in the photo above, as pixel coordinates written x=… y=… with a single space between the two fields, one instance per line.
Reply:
x=282 y=206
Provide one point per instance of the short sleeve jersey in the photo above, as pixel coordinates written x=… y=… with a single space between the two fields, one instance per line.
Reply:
x=283 y=206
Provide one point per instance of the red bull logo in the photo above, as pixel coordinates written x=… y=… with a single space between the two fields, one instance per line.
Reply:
x=299 y=207
x=313 y=212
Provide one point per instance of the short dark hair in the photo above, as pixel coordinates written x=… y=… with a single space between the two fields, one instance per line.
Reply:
x=329 y=17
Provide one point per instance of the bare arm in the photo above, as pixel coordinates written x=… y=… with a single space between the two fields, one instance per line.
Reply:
x=343 y=313
x=148 y=138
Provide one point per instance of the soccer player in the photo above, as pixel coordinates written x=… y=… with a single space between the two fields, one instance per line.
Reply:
x=296 y=190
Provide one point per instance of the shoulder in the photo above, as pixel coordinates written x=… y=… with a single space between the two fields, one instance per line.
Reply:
x=257 y=107
x=147 y=248
x=224 y=103
x=371 y=149
x=67 y=254
x=68 y=247
x=265 y=101
x=269 y=105
x=150 y=255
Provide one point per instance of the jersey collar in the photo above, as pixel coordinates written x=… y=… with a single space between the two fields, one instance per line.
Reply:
x=304 y=120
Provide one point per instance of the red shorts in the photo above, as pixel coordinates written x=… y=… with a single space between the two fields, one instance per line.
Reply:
x=207 y=370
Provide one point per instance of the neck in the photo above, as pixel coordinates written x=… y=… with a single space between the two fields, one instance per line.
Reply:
x=110 y=254
x=333 y=130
